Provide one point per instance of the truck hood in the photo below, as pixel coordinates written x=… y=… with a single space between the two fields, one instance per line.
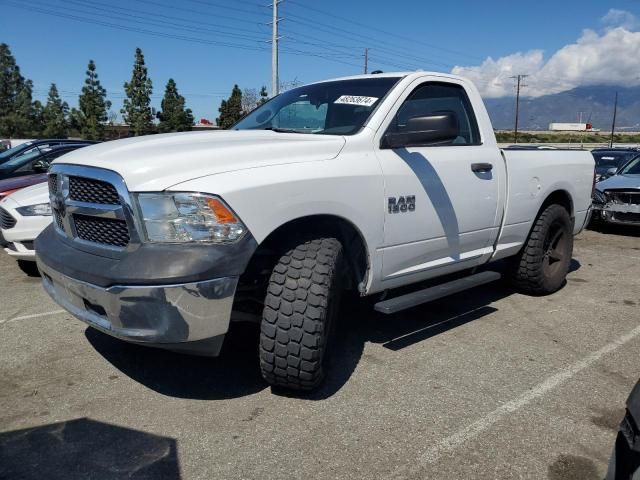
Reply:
x=619 y=181
x=156 y=162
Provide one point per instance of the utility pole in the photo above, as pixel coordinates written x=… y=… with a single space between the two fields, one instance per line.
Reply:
x=275 y=87
x=520 y=85
x=613 y=124
x=366 y=61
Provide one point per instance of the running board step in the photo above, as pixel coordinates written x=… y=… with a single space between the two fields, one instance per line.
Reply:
x=430 y=294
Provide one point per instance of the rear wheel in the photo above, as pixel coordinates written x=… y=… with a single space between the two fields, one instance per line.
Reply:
x=300 y=309
x=543 y=263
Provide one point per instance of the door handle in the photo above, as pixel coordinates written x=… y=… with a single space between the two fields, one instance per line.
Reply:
x=481 y=167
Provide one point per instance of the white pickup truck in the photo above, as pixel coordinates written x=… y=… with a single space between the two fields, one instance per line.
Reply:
x=365 y=183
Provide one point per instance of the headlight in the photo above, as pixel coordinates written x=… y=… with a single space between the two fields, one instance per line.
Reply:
x=188 y=217
x=39 y=210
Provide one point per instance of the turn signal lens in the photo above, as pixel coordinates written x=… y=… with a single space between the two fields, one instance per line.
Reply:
x=222 y=213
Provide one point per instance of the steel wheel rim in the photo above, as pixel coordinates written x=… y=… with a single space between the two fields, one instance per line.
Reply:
x=555 y=249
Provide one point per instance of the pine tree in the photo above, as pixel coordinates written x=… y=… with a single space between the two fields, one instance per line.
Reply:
x=230 y=109
x=137 y=110
x=23 y=116
x=16 y=107
x=174 y=117
x=92 y=115
x=37 y=120
x=55 y=115
x=264 y=96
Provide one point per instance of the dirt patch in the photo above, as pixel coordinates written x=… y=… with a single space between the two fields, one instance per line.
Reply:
x=608 y=418
x=571 y=467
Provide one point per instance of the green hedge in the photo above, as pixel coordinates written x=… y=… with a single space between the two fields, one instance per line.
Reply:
x=508 y=137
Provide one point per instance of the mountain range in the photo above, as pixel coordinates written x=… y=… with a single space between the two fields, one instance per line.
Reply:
x=594 y=103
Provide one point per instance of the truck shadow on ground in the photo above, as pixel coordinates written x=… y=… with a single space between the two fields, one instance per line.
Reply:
x=84 y=448
x=236 y=372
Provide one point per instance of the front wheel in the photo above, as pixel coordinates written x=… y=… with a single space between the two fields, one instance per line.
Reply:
x=300 y=307
x=30 y=268
x=543 y=263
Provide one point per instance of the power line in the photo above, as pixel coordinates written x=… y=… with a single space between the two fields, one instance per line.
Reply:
x=352 y=50
x=385 y=32
x=346 y=50
x=335 y=31
x=200 y=13
x=132 y=29
x=172 y=18
x=164 y=34
x=130 y=17
x=226 y=6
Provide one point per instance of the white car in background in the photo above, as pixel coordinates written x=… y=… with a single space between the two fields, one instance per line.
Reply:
x=23 y=215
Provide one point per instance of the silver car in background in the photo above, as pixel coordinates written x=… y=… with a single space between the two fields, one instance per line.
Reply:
x=617 y=199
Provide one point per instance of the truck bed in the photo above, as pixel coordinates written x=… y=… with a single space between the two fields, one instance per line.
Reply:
x=531 y=176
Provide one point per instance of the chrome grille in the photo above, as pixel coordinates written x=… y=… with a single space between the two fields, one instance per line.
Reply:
x=92 y=191
x=58 y=219
x=53 y=184
x=106 y=231
x=6 y=220
x=92 y=207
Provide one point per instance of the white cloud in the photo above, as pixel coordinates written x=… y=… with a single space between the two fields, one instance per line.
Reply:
x=619 y=18
x=609 y=58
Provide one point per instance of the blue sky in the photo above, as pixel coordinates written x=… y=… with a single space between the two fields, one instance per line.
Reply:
x=321 y=40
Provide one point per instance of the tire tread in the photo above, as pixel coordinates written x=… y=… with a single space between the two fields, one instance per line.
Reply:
x=528 y=274
x=296 y=317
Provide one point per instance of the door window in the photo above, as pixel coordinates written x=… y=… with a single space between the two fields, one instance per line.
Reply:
x=434 y=98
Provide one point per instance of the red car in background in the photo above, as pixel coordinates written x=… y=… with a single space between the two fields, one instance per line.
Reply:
x=10 y=185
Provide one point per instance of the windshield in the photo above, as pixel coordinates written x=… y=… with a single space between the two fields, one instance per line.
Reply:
x=632 y=168
x=19 y=161
x=330 y=108
x=612 y=159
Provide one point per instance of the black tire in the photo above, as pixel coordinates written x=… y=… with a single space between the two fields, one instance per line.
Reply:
x=302 y=300
x=30 y=268
x=543 y=263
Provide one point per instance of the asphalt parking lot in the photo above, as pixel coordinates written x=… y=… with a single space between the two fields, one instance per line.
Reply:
x=485 y=384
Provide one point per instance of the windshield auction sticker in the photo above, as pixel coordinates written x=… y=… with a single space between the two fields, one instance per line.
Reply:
x=356 y=100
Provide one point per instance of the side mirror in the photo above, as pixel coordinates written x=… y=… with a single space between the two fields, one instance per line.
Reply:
x=612 y=171
x=40 y=166
x=437 y=128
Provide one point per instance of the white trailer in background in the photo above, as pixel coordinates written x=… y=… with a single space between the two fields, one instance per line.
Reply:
x=572 y=127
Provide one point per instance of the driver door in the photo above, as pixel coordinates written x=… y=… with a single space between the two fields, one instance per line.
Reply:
x=442 y=209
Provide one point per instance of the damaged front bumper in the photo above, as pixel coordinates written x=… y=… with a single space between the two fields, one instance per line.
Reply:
x=620 y=207
x=192 y=318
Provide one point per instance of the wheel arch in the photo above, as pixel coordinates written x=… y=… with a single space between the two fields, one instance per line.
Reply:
x=327 y=225
x=558 y=197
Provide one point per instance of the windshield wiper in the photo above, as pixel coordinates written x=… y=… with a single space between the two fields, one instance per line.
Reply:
x=285 y=130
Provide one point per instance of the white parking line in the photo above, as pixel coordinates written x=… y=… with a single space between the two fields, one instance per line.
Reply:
x=449 y=444
x=35 y=315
